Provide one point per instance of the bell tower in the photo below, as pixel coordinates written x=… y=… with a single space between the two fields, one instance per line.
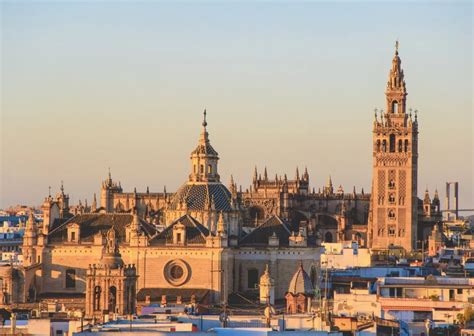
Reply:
x=393 y=205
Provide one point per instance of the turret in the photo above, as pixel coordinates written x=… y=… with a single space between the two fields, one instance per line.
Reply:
x=204 y=159
x=109 y=188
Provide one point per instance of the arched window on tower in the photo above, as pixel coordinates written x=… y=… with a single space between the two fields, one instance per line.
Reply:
x=392 y=143
x=201 y=169
x=209 y=169
x=406 y=145
x=378 y=145
x=395 y=106
x=384 y=145
x=400 y=145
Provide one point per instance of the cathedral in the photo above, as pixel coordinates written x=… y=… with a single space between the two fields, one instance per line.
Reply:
x=211 y=243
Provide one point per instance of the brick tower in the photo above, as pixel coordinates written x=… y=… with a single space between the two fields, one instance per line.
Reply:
x=393 y=213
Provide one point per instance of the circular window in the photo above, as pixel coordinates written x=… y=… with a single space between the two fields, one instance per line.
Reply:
x=177 y=272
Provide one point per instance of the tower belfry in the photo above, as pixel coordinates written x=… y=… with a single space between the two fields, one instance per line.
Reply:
x=393 y=205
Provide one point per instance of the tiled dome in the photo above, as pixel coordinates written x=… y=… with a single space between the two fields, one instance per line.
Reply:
x=300 y=283
x=199 y=196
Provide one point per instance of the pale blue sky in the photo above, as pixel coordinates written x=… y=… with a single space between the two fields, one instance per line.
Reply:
x=89 y=85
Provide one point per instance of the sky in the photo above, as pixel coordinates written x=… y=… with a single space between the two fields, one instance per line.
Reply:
x=90 y=85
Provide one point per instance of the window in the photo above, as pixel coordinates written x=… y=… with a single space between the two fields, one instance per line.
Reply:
x=194 y=169
x=178 y=237
x=395 y=106
x=392 y=143
x=378 y=145
x=252 y=278
x=400 y=145
x=201 y=169
x=391 y=198
x=112 y=298
x=406 y=145
x=73 y=236
x=209 y=169
x=391 y=214
x=97 y=291
x=328 y=237
x=391 y=231
x=384 y=145
x=391 y=184
x=70 y=278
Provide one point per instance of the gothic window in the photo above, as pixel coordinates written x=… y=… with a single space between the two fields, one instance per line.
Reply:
x=252 y=278
x=201 y=169
x=391 y=231
x=378 y=145
x=400 y=145
x=70 y=278
x=391 y=198
x=391 y=184
x=391 y=214
x=97 y=292
x=406 y=145
x=73 y=236
x=392 y=143
x=209 y=169
x=384 y=146
x=395 y=106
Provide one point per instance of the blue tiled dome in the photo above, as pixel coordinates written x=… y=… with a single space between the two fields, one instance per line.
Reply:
x=199 y=196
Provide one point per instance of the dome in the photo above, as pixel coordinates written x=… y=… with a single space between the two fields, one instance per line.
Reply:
x=111 y=260
x=300 y=283
x=200 y=196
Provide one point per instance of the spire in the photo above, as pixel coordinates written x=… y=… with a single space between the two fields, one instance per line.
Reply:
x=396 y=90
x=220 y=225
x=204 y=135
x=94 y=204
x=30 y=223
x=255 y=174
x=62 y=187
x=305 y=174
x=265 y=175
x=297 y=174
x=427 y=198
x=436 y=196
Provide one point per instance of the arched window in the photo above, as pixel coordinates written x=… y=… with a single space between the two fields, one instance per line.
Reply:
x=391 y=184
x=392 y=143
x=328 y=237
x=97 y=292
x=391 y=214
x=209 y=169
x=194 y=169
x=391 y=198
x=384 y=145
x=252 y=278
x=378 y=145
x=112 y=298
x=201 y=169
x=400 y=145
x=406 y=145
x=395 y=106
x=71 y=278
